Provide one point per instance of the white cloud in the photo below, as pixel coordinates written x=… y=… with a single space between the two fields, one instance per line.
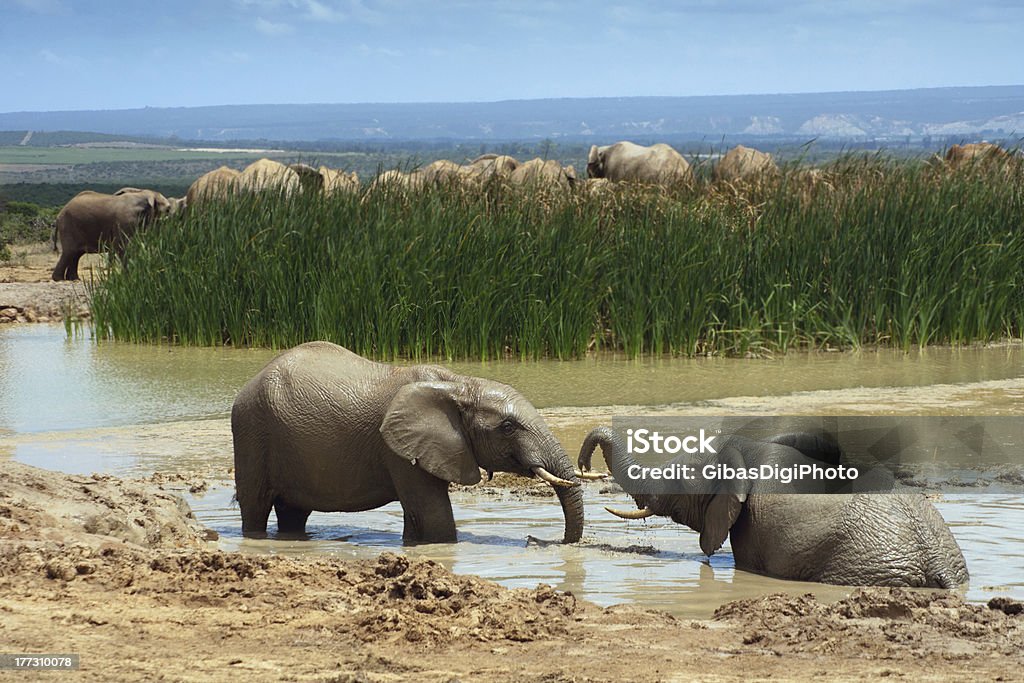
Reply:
x=379 y=51
x=271 y=28
x=318 y=11
x=52 y=57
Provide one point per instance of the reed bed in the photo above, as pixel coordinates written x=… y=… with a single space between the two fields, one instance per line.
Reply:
x=871 y=252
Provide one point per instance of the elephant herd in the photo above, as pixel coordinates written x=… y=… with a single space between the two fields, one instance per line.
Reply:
x=321 y=428
x=92 y=219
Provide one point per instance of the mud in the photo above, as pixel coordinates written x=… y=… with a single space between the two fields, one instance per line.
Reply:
x=120 y=572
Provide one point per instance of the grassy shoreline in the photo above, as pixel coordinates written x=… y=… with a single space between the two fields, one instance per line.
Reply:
x=874 y=252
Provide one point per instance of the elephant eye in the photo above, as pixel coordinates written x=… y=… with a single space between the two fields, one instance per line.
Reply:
x=508 y=427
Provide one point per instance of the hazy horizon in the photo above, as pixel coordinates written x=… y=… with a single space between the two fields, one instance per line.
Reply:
x=92 y=55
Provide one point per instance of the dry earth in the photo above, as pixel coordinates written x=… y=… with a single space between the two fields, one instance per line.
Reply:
x=120 y=572
x=28 y=295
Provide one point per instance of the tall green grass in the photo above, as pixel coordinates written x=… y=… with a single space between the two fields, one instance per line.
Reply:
x=876 y=252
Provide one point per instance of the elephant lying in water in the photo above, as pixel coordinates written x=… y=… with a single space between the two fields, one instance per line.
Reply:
x=860 y=539
x=320 y=428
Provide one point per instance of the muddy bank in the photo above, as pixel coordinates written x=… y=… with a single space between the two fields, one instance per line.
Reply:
x=119 y=572
x=42 y=302
x=28 y=295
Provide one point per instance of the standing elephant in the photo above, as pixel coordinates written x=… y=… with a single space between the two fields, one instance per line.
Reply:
x=215 y=185
x=859 y=539
x=487 y=166
x=543 y=173
x=744 y=164
x=442 y=172
x=92 y=220
x=975 y=153
x=310 y=179
x=269 y=175
x=175 y=204
x=627 y=161
x=338 y=182
x=320 y=428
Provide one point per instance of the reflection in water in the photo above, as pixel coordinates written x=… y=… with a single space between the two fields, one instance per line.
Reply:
x=78 y=406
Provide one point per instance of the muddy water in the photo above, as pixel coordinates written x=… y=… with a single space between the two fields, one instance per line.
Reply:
x=78 y=406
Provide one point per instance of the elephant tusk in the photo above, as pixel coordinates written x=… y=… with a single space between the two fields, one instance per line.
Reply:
x=552 y=479
x=631 y=514
x=591 y=476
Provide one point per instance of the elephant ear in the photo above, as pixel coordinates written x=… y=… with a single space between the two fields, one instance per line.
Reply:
x=423 y=424
x=725 y=506
x=594 y=156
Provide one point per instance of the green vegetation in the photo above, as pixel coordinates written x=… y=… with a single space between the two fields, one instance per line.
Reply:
x=875 y=251
x=22 y=223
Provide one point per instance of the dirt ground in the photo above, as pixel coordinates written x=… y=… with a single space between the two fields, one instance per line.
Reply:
x=120 y=572
x=28 y=295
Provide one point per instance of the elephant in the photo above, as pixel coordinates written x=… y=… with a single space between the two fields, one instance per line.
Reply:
x=322 y=428
x=626 y=161
x=338 y=182
x=177 y=204
x=744 y=164
x=215 y=185
x=442 y=172
x=393 y=180
x=269 y=175
x=975 y=153
x=881 y=539
x=487 y=166
x=310 y=179
x=545 y=173
x=92 y=219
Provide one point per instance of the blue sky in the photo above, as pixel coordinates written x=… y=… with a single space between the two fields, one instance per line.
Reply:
x=113 y=54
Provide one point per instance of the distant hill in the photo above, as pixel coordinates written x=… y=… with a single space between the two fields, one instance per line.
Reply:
x=995 y=111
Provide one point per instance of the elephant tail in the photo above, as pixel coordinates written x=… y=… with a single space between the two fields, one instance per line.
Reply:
x=53 y=235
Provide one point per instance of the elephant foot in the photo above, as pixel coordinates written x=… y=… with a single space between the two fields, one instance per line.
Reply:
x=290 y=520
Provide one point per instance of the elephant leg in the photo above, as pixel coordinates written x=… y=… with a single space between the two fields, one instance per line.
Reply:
x=290 y=520
x=72 y=266
x=255 y=512
x=427 y=507
x=68 y=262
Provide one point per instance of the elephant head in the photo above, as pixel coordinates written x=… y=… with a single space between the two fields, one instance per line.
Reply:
x=453 y=429
x=595 y=162
x=712 y=512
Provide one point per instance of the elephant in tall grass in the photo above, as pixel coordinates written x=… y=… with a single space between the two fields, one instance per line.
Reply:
x=959 y=156
x=215 y=185
x=744 y=164
x=338 y=182
x=177 y=204
x=858 y=539
x=92 y=220
x=658 y=164
x=321 y=428
x=544 y=173
x=267 y=175
x=487 y=166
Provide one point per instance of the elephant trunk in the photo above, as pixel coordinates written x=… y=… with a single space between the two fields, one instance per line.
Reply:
x=613 y=447
x=570 y=497
x=616 y=455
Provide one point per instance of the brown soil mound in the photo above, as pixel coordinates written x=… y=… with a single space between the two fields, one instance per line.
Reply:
x=885 y=623
x=37 y=504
